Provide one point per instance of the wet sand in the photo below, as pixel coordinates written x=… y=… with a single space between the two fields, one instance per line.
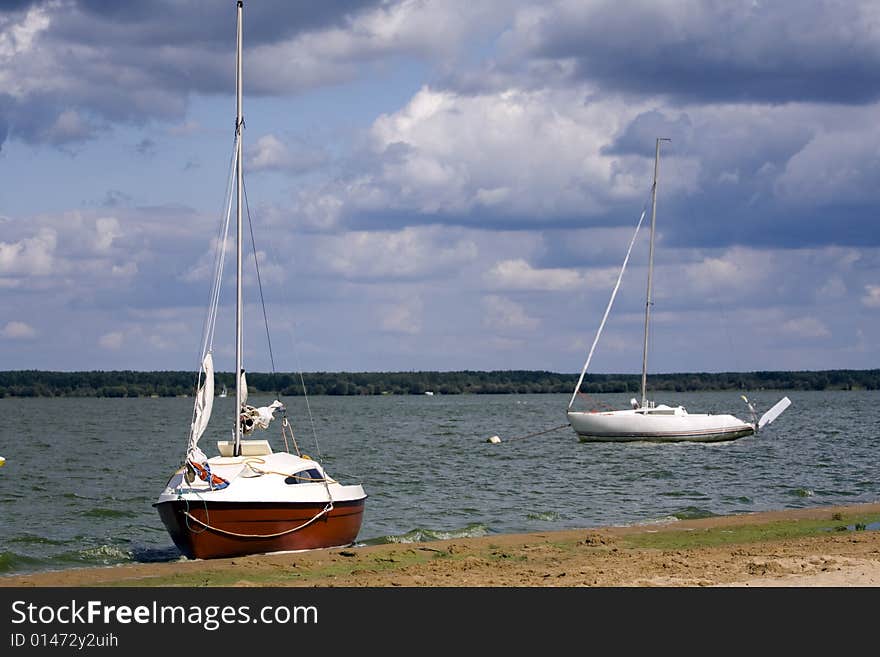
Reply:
x=817 y=547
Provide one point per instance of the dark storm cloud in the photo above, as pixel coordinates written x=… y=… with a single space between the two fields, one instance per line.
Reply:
x=4 y=127
x=645 y=128
x=14 y=6
x=775 y=52
x=172 y=22
x=102 y=61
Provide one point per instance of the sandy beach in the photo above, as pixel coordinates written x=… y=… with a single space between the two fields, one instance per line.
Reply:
x=816 y=547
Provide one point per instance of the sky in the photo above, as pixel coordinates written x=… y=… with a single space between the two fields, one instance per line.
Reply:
x=442 y=185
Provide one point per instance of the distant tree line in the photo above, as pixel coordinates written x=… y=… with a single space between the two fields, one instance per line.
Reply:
x=127 y=383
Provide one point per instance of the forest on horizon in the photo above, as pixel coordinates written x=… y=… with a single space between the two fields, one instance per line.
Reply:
x=127 y=383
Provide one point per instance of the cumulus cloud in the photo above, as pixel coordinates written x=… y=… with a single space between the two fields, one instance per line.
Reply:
x=112 y=341
x=15 y=330
x=520 y=275
x=806 y=327
x=270 y=153
x=488 y=153
x=503 y=314
x=737 y=270
x=63 y=84
x=30 y=256
x=107 y=229
x=836 y=165
x=515 y=157
x=871 y=298
x=404 y=317
x=408 y=253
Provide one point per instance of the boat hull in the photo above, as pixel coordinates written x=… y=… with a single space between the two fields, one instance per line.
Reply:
x=627 y=426
x=230 y=529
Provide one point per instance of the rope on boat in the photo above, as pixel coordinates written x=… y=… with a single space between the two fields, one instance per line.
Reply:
x=327 y=509
x=327 y=480
x=496 y=439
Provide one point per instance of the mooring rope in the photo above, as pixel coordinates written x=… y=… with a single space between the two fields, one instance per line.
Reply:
x=539 y=433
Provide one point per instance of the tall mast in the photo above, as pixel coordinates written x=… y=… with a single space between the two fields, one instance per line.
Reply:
x=239 y=124
x=650 y=269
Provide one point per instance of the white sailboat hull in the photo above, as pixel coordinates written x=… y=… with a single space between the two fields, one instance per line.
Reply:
x=659 y=424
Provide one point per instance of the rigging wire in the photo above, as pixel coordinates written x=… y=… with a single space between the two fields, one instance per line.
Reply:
x=608 y=308
x=268 y=337
x=308 y=404
x=219 y=261
x=260 y=285
x=210 y=322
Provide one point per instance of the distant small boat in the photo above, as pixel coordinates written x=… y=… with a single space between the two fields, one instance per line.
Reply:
x=222 y=392
x=429 y=393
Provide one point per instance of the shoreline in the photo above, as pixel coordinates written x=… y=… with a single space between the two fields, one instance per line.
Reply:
x=834 y=546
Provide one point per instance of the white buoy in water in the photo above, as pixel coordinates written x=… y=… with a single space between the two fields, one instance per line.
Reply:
x=494 y=440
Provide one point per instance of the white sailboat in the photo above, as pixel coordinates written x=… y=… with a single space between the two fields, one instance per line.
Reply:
x=647 y=420
x=250 y=498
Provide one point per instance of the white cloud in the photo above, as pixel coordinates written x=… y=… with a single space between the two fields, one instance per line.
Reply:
x=270 y=153
x=526 y=152
x=32 y=256
x=834 y=288
x=69 y=126
x=126 y=270
x=520 y=275
x=503 y=314
x=404 y=317
x=838 y=163
x=736 y=270
x=18 y=40
x=871 y=299
x=18 y=331
x=112 y=341
x=406 y=253
x=806 y=327
x=106 y=229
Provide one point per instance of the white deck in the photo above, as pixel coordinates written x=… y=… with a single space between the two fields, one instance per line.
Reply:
x=260 y=478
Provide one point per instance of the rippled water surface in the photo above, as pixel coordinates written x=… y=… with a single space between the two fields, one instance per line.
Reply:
x=82 y=474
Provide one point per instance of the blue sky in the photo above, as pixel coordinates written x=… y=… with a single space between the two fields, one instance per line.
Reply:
x=443 y=185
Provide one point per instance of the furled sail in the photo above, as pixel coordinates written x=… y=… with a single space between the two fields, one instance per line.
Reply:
x=243 y=385
x=203 y=405
x=196 y=461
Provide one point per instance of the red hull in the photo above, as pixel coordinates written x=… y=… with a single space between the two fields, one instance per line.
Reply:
x=337 y=528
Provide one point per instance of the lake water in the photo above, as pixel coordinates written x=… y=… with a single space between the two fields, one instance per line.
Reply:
x=82 y=474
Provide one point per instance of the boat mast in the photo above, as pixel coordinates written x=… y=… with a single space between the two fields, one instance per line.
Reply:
x=650 y=269
x=239 y=124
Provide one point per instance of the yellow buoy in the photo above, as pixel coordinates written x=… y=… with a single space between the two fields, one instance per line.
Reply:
x=2 y=461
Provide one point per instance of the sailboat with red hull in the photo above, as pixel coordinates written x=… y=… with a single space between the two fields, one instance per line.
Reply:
x=250 y=498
